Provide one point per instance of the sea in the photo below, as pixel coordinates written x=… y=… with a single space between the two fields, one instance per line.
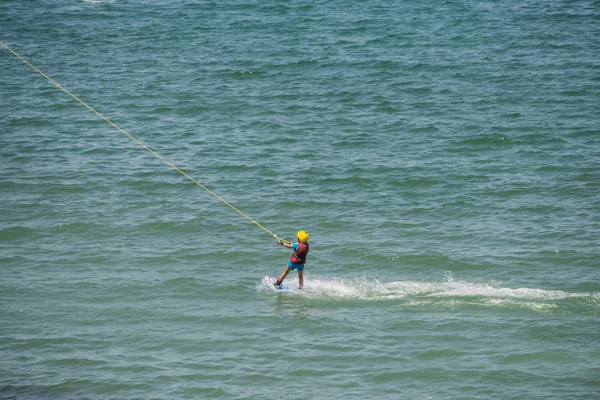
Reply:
x=444 y=157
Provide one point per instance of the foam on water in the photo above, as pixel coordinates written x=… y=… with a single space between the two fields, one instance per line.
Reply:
x=443 y=293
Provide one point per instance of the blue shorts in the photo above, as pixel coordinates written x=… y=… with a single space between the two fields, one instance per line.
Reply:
x=299 y=267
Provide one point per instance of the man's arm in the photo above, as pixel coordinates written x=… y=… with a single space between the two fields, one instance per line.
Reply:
x=284 y=243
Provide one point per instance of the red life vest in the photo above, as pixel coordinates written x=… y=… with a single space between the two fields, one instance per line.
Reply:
x=299 y=256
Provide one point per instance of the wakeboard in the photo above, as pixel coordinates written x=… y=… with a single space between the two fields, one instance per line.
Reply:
x=269 y=282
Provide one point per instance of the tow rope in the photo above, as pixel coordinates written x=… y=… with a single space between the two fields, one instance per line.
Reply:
x=140 y=143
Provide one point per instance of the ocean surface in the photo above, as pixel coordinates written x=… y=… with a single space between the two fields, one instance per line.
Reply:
x=443 y=155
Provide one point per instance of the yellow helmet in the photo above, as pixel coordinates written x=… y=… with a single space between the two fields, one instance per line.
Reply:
x=302 y=236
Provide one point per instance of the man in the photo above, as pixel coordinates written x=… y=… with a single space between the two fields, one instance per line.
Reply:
x=298 y=258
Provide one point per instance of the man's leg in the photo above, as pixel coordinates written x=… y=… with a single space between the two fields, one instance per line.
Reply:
x=283 y=275
x=301 y=279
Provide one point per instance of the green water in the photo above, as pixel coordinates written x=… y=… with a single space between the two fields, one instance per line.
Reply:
x=443 y=156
